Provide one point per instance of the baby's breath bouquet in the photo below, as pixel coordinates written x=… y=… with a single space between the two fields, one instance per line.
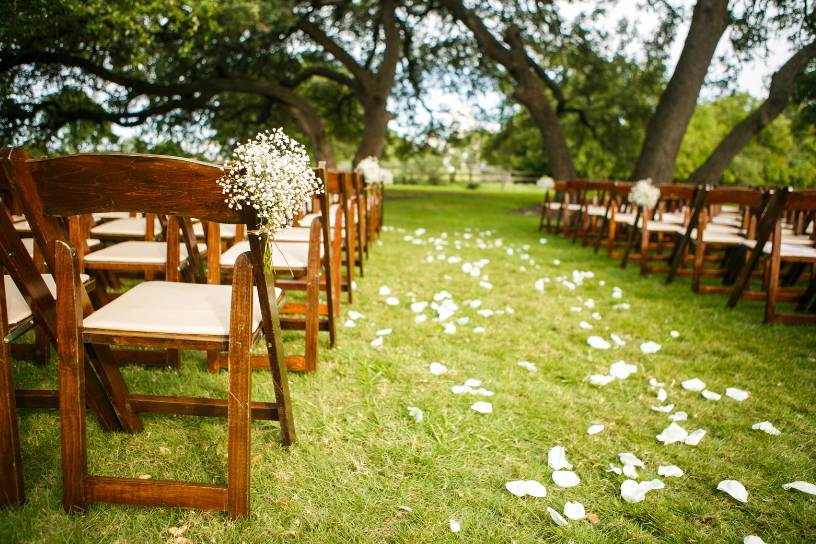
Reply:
x=545 y=182
x=270 y=174
x=644 y=194
x=370 y=168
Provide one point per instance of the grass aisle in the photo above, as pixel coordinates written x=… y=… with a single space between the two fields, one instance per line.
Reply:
x=364 y=470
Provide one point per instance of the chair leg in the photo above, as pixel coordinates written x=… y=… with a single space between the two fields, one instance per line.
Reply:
x=773 y=278
x=238 y=401
x=699 y=261
x=71 y=380
x=644 y=252
x=42 y=347
x=312 y=316
x=11 y=482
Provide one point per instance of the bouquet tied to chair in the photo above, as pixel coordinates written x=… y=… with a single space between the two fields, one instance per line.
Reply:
x=270 y=174
x=644 y=194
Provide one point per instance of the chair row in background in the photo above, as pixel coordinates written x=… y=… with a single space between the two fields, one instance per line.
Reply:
x=117 y=259
x=747 y=242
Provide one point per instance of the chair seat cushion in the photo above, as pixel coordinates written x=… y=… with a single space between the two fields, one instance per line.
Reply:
x=29 y=244
x=227 y=231
x=293 y=234
x=662 y=226
x=162 y=307
x=22 y=227
x=670 y=217
x=137 y=252
x=285 y=255
x=16 y=307
x=132 y=227
x=625 y=218
x=716 y=236
x=786 y=250
x=307 y=219
x=596 y=211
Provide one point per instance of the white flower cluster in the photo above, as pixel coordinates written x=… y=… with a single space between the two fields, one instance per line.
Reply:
x=373 y=172
x=272 y=175
x=545 y=182
x=645 y=194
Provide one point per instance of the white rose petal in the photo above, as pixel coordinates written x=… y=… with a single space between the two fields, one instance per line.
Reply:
x=674 y=334
x=355 y=315
x=392 y=301
x=528 y=365
x=650 y=347
x=521 y=488
x=665 y=409
x=752 y=539
x=377 y=342
x=584 y=325
x=711 y=395
x=735 y=489
x=799 y=485
x=695 y=437
x=437 y=369
x=557 y=458
x=695 y=384
x=419 y=307
x=679 y=416
x=662 y=395
x=595 y=429
x=421 y=318
x=565 y=478
x=384 y=291
x=766 y=426
x=669 y=470
x=629 y=471
x=557 y=518
x=349 y=324
x=600 y=379
x=478 y=330
x=737 y=394
x=654 y=383
x=616 y=469
x=483 y=407
x=631 y=491
x=628 y=458
x=574 y=510
x=383 y=332
x=598 y=343
x=455 y=527
x=416 y=413
x=617 y=339
x=622 y=370
x=673 y=433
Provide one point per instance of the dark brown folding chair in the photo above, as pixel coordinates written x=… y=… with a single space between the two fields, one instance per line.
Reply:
x=159 y=315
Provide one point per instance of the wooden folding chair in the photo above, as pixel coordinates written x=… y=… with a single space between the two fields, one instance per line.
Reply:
x=302 y=261
x=158 y=314
x=717 y=241
x=776 y=250
x=657 y=230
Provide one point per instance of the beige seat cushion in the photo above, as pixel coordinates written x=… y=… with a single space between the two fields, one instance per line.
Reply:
x=662 y=226
x=29 y=244
x=293 y=234
x=137 y=252
x=731 y=220
x=786 y=250
x=22 y=227
x=670 y=217
x=132 y=227
x=172 y=308
x=625 y=218
x=16 y=307
x=717 y=236
x=227 y=231
x=596 y=211
x=285 y=255
x=307 y=219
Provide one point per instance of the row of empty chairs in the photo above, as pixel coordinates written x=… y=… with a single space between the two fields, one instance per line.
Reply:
x=174 y=269
x=747 y=242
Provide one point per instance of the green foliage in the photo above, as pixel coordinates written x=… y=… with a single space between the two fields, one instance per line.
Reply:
x=784 y=153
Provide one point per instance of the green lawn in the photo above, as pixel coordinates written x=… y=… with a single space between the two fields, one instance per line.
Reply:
x=363 y=470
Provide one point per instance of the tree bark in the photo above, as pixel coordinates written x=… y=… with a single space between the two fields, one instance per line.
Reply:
x=375 y=127
x=666 y=128
x=530 y=84
x=783 y=84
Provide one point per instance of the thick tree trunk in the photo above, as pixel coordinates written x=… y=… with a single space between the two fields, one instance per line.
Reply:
x=375 y=127
x=782 y=88
x=530 y=94
x=666 y=128
x=310 y=123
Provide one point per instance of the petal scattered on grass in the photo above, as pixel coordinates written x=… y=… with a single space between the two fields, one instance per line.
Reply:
x=355 y=315
x=735 y=489
x=528 y=365
x=654 y=383
x=662 y=395
x=478 y=330
x=455 y=527
x=617 y=339
x=377 y=342
x=600 y=379
x=598 y=343
x=421 y=318
x=521 y=488
x=383 y=332
x=595 y=429
x=349 y=324
x=416 y=413
x=678 y=416
x=628 y=458
x=672 y=434
x=752 y=539
x=665 y=409
x=695 y=437
x=437 y=369
x=392 y=301
x=565 y=478
x=385 y=291
x=614 y=468
x=674 y=334
x=799 y=485
x=669 y=470
x=584 y=325
x=737 y=394
x=622 y=370
x=650 y=347
x=557 y=458
x=766 y=426
x=632 y=491
x=574 y=510
x=711 y=395
x=695 y=384
x=556 y=517
x=483 y=407
x=630 y=471
x=419 y=307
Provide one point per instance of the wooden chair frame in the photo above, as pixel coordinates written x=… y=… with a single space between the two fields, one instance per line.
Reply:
x=177 y=187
